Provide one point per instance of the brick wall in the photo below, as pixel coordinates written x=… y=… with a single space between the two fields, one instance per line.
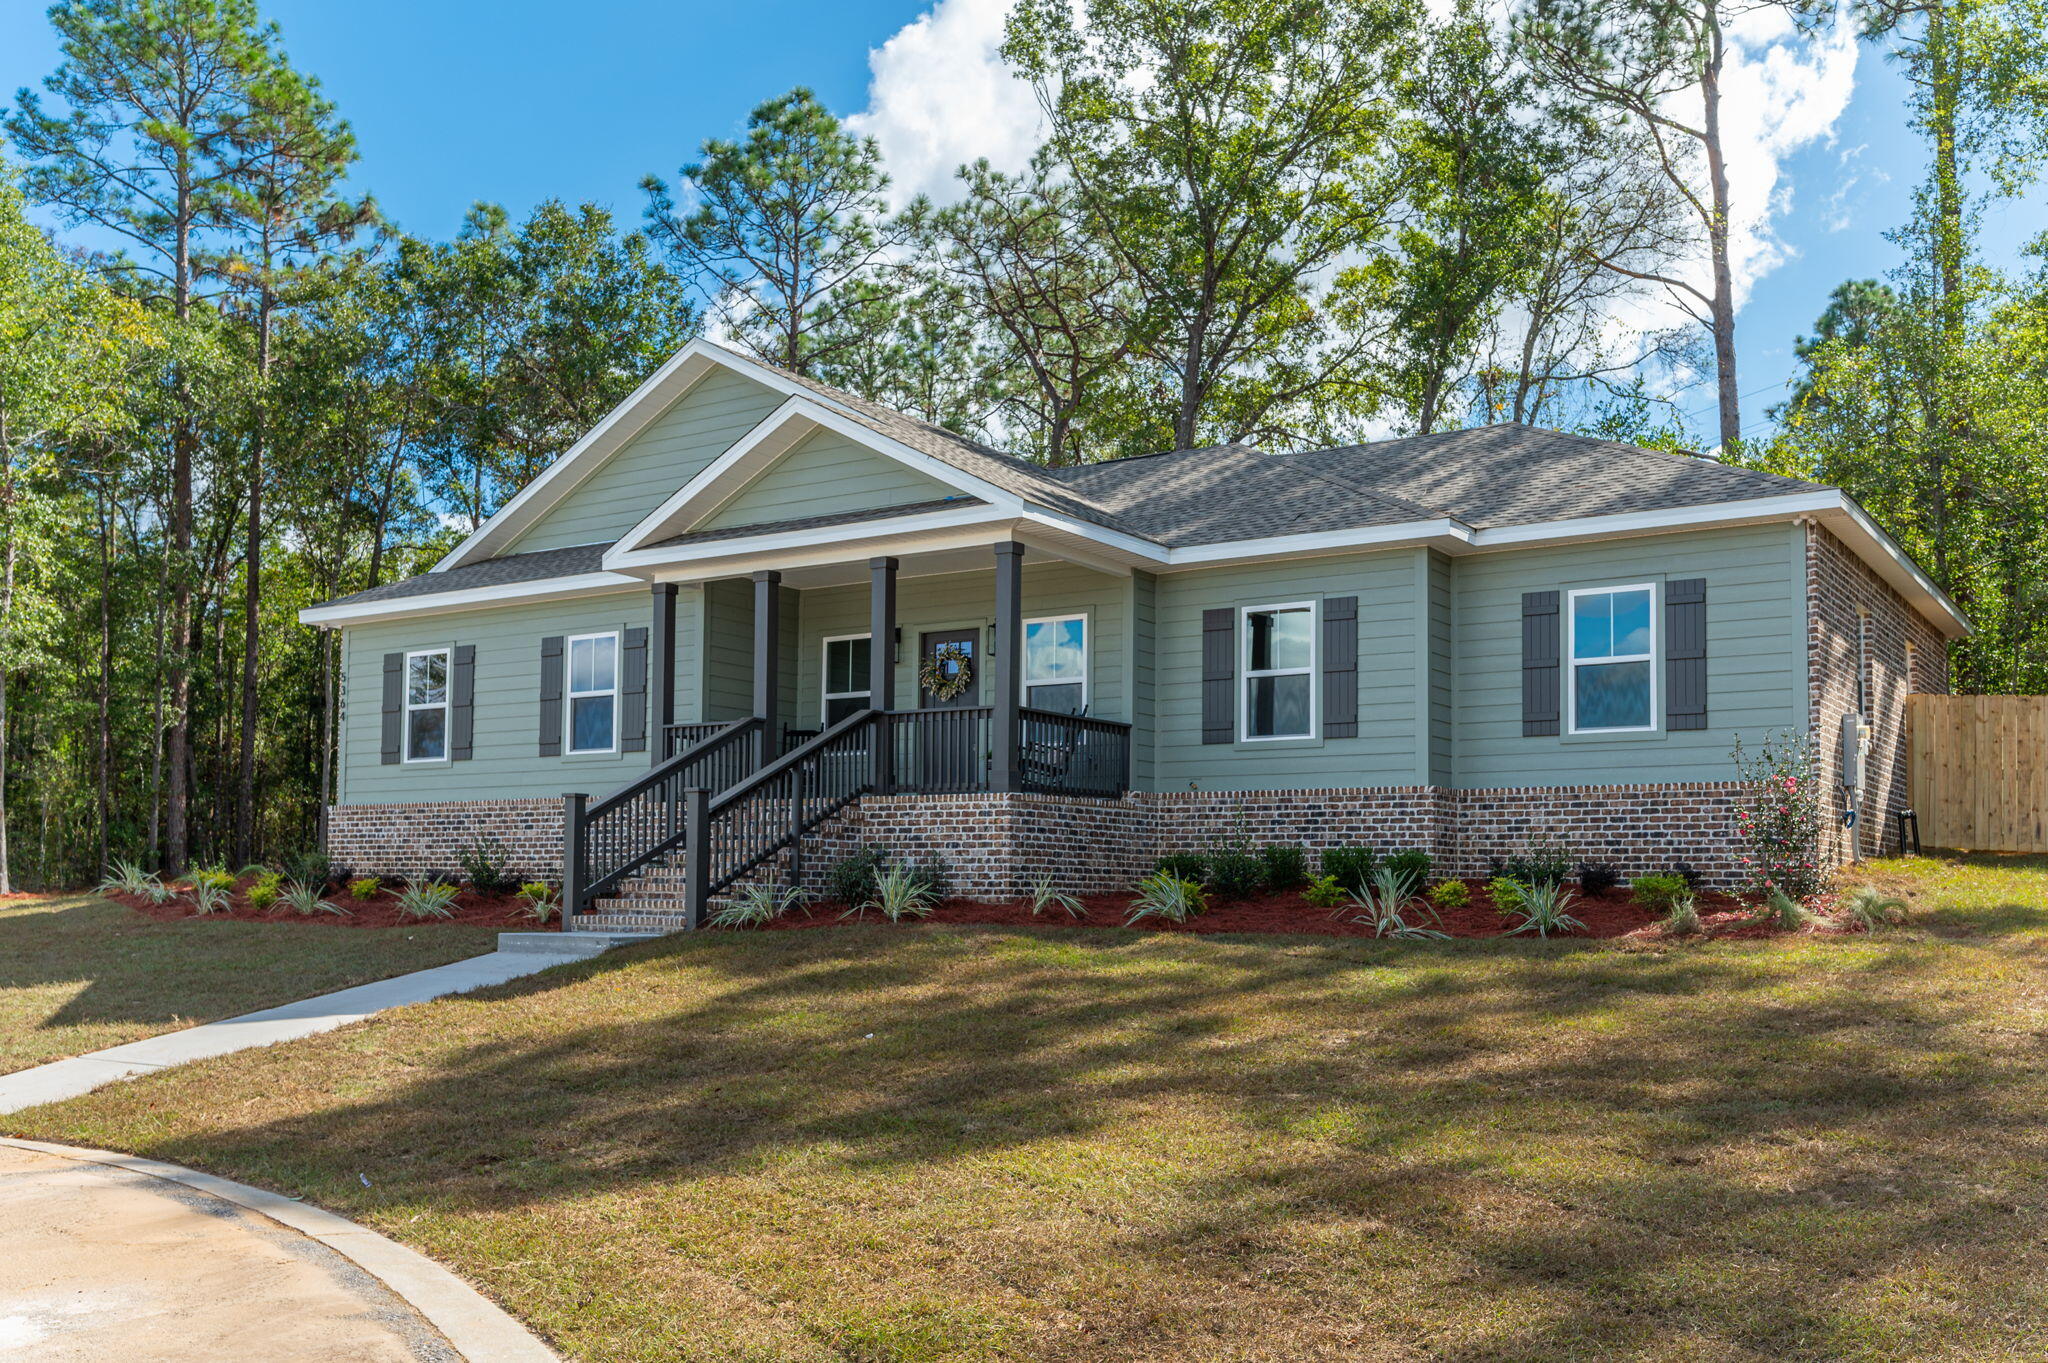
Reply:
x=403 y=840
x=1856 y=623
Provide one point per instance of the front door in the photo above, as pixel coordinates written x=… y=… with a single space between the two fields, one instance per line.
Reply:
x=950 y=749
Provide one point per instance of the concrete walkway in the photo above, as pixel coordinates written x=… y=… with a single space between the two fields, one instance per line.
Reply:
x=112 y=1257
x=82 y=1074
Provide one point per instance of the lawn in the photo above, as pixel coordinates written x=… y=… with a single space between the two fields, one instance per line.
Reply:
x=78 y=973
x=987 y=1143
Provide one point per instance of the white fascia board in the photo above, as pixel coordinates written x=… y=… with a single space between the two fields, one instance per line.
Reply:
x=1442 y=532
x=1890 y=562
x=852 y=538
x=471 y=598
x=1752 y=510
x=768 y=440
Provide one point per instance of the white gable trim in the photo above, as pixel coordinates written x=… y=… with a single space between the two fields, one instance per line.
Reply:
x=472 y=598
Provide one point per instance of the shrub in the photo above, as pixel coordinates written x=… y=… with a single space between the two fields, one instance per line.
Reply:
x=1871 y=908
x=1386 y=902
x=1045 y=898
x=1688 y=875
x=1659 y=892
x=421 y=898
x=128 y=877
x=364 y=888
x=1543 y=910
x=1541 y=861
x=1411 y=869
x=758 y=903
x=1352 y=866
x=904 y=891
x=305 y=899
x=255 y=870
x=1236 y=872
x=1597 y=878
x=1162 y=895
x=1450 y=894
x=538 y=901
x=935 y=876
x=311 y=867
x=1188 y=866
x=1286 y=864
x=486 y=864
x=1325 y=893
x=208 y=897
x=1784 y=912
x=1507 y=895
x=1779 y=816
x=851 y=879
x=215 y=876
x=1683 y=918
x=264 y=891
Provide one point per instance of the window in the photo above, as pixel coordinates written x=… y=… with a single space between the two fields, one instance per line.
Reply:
x=1279 y=671
x=1614 y=670
x=426 y=705
x=846 y=677
x=593 y=692
x=1056 y=664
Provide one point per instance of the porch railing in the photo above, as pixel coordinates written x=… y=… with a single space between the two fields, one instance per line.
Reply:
x=605 y=842
x=1062 y=754
x=676 y=738
x=936 y=752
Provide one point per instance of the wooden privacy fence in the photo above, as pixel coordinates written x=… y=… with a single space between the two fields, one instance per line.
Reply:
x=1979 y=771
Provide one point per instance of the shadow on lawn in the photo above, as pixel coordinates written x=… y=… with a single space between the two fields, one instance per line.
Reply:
x=1644 y=1144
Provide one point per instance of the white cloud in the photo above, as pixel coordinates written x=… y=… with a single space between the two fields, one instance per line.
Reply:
x=942 y=96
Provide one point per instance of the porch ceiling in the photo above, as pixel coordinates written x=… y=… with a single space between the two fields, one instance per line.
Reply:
x=923 y=552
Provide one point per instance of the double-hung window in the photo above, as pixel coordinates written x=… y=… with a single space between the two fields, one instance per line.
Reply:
x=426 y=705
x=593 y=709
x=1613 y=660
x=846 y=677
x=1279 y=694
x=1056 y=664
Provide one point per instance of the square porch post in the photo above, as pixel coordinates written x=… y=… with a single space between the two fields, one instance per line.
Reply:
x=661 y=667
x=767 y=662
x=1006 y=728
x=882 y=665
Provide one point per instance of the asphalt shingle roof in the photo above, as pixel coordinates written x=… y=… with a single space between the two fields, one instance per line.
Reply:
x=492 y=572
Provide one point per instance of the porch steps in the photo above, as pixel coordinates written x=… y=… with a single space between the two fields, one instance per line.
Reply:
x=638 y=926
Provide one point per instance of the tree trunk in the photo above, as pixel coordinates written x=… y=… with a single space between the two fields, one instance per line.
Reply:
x=104 y=746
x=252 y=597
x=6 y=613
x=184 y=440
x=1722 y=308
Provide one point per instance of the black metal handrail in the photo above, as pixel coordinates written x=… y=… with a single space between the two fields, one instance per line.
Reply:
x=677 y=738
x=605 y=842
x=1063 y=754
x=940 y=751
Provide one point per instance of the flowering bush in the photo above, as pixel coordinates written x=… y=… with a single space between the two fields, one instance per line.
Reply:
x=1778 y=822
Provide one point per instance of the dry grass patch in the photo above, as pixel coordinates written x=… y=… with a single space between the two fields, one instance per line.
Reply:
x=975 y=1144
x=78 y=973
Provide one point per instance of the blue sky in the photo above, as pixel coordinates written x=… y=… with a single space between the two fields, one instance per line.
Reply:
x=521 y=100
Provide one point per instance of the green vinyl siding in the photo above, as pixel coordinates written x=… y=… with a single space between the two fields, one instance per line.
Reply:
x=1756 y=640
x=727 y=683
x=644 y=472
x=1388 y=585
x=1440 y=687
x=1141 y=595
x=824 y=474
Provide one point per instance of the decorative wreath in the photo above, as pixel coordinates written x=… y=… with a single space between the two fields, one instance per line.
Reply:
x=942 y=683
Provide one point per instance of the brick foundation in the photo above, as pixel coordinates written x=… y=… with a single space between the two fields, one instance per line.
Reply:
x=405 y=840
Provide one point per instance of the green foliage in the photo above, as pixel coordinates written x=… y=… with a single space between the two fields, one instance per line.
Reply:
x=305 y=900
x=364 y=888
x=214 y=876
x=1597 y=878
x=486 y=864
x=1682 y=919
x=851 y=880
x=1191 y=866
x=127 y=877
x=539 y=901
x=1450 y=894
x=1352 y=866
x=1659 y=892
x=1410 y=869
x=1785 y=913
x=1779 y=815
x=310 y=867
x=264 y=890
x=1045 y=898
x=1388 y=907
x=758 y=903
x=1544 y=908
x=1236 y=872
x=1871 y=908
x=209 y=897
x=422 y=899
x=1285 y=864
x=1539 y=861
x=1166 y=896
x=1325 y=892
x=904 y=890
x=1507 y=895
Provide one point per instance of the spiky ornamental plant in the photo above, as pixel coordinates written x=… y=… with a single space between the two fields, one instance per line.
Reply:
x=1779 y=817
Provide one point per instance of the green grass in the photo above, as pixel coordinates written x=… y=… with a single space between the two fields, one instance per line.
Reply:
x=880 y=1145
x=78 y=973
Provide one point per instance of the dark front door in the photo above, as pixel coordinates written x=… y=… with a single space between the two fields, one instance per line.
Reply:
x=950 y=749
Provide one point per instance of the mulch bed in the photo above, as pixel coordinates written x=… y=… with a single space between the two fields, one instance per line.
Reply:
x=1615 y=914
x=471 y=910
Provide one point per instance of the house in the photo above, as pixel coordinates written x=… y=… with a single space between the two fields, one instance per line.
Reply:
x=751 y=622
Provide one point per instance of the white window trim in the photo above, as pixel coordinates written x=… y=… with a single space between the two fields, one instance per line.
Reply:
x=1087 y=678
x=570 y=695
x=1573 y=661
x=825 y=696
x=1312 y=671
x=446 y=705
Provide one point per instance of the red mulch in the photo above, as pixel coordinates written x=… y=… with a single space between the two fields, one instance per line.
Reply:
x=1615 y=914
x=471 y=910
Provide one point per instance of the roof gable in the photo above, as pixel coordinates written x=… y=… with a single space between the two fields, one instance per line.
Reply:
x=824 y=474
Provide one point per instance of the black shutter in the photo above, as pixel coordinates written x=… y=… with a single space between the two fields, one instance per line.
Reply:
x=1685 y=653
x=394 y=706
x=462 y=707
x=1219 y=675
x=551 y=696
x=1340 y=667
x=633 y=694
x=1539 y=664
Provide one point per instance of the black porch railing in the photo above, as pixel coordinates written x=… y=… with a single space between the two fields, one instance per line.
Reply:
x=676 y=738
x=1062 y=754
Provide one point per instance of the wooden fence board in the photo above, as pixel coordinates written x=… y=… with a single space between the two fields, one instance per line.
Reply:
x=1978 y=771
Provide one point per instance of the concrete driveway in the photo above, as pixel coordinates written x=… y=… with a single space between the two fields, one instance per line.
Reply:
x=135 y=1264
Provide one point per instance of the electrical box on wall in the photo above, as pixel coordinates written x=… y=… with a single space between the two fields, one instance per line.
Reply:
x=1855 y=747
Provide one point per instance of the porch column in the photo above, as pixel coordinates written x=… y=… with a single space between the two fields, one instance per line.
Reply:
x=1007 y=657
x=767 y=657
x=661 y=667
x=882 y=633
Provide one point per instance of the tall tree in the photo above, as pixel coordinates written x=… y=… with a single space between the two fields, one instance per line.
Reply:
x=773 y=228
x=1231 y=155
x=150 y=143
